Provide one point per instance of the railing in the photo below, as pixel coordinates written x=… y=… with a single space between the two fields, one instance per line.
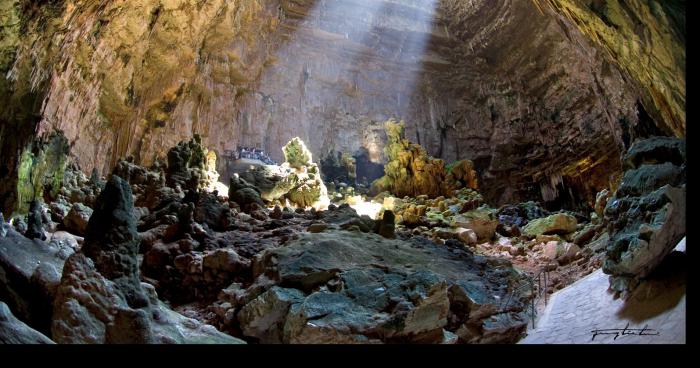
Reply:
x=542 y=279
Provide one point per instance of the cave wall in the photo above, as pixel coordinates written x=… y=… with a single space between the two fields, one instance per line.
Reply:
x=646 y=39
x=526 y=89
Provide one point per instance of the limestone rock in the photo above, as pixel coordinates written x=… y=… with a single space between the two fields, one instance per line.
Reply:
x=559 y=223
x=646 y=217
x=264 y=317
x=296 y=154
x=655 y=150
x=328 y=318
x=562 y=252
x=365 y=288
x=188 y=165
x=520 y=214
x=464 y=172
x=225 y=260
x=601 y=200
x=14 y=331
x=466 y=236
x=409 y=170
x=76 y=221
x=86 y=303
x=243 y=193
x=298 y=181
x=338 y=167
x=386 y=226
x=112 y=240
x=89 y=308
x=481 y=221
x=35 y=229
x=30 y=272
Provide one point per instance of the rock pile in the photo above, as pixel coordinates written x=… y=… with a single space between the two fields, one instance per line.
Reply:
x=101 y=299
x=425 y=271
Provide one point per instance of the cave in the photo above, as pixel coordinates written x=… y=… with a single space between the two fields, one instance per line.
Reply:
x=342 y=171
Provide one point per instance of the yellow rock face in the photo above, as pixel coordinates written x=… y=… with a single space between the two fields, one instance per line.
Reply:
x=410 y=170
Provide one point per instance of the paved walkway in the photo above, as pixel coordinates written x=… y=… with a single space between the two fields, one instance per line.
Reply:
x=654 y=314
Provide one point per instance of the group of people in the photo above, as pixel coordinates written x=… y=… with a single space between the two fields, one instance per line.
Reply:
x=252 y=153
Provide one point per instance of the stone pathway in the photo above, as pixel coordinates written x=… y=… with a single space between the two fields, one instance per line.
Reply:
x=574 y=313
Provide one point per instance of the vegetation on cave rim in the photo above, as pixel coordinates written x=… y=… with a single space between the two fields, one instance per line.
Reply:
x=41 y=169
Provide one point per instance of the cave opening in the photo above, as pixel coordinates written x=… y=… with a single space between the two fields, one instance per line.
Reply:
x=341 y=171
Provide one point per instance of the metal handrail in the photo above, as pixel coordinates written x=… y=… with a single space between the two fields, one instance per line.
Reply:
x=542 y=278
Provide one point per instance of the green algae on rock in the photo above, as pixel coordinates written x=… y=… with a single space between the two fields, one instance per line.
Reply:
x=41 y=170
x=558 y=223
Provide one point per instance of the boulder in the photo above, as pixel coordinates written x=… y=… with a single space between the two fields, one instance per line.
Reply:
x=386 y=226
x=76 y=221
x=481 y=221
x=225 y=260
x=329 y=318
x=243 y=193
x=601 y=200
x=655 y=150
x=209 y=210
x=466 y=236
x=559 y=223
x=14 y=331
x=264 y=317
x=520 y=214
x=365 y=288
x=464 y=172
x=562 y=252
x=583 y=236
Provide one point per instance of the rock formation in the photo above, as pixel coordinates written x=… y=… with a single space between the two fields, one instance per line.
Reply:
x=463 y=172
x=101 y=299
x=410 y=171
x=190 y=165
x=235 y=77
x=339 y=167
x=35 y=229
x=657 y=59
x=335 y=292
x=646 y=216
x=297 y=180
x=14 y=331
x=531 y=103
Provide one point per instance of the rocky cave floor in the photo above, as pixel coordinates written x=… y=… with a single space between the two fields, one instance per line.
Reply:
x=450 y=270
